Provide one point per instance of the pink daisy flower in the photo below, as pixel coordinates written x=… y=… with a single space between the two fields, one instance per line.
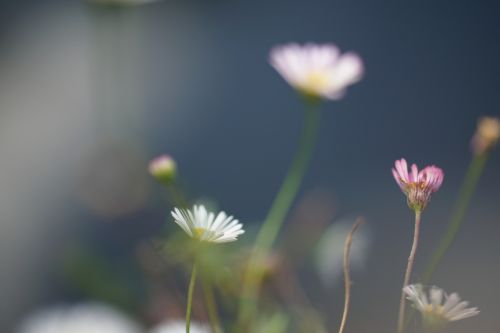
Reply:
x=417 y=185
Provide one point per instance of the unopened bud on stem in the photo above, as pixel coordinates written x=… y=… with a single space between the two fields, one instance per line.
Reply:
x=163 y=168
x=486 y=136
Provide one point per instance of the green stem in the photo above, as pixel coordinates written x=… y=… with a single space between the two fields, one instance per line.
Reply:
x=409 y=269
x=211 y=306
x=279 y=209
x=291 y=184
x=468 y=187
x=192 y=282
x=176 y=196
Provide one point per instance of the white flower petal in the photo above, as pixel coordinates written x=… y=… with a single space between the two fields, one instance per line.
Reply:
x=180 y=219
x=451 y=301
x=457 y=309
x=416 y=295
x=348 y=70
x=467 y=313
x=436 y=295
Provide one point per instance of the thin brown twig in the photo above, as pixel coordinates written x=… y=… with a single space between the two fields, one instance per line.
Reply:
x=409 y=269
x=347 y=278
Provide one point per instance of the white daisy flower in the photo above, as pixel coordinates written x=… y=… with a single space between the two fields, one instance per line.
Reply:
x=438 y=308
x=205 y=226
x=83 y=318
x=179 y=326
x=317 y=70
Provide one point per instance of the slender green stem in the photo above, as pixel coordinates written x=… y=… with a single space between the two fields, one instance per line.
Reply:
x=192 y=282
x=468 y=187
x=347 y=278
x=176 y=196
x=211 y=306
x=291 y=184
x=409 y=268
x=279 y=209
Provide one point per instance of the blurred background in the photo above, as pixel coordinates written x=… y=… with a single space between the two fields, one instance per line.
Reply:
x=89 y=94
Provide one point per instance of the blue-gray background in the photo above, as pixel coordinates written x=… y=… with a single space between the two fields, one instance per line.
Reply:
x=191 y=78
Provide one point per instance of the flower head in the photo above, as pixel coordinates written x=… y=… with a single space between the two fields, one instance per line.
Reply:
x=418 y=186
x=83 y=318
x=205 y=226
x=317 y=71
x=437 y=307
x=487 y=134
x=163 y=168
x=179 y=326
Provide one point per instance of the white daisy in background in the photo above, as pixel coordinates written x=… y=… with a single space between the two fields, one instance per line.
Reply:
x=318 y=71
x=206 y=226
x=179 y=326
x=437 y=307
x=83 y=318
x=330 y=251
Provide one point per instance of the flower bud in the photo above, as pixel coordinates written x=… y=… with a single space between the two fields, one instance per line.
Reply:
x=487 y=134
x=163 y=168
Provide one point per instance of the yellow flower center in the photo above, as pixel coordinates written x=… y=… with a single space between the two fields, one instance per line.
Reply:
x=207 y=234
x=434 y=316
x=316 y=81
x=198 y=232
x=434 y=309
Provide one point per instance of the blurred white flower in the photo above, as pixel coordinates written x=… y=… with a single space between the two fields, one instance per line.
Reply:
x=318 y=71
x=205 y=226
x=438 y=308
x=330 y=251
x=179 y=326
x=83 y=318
